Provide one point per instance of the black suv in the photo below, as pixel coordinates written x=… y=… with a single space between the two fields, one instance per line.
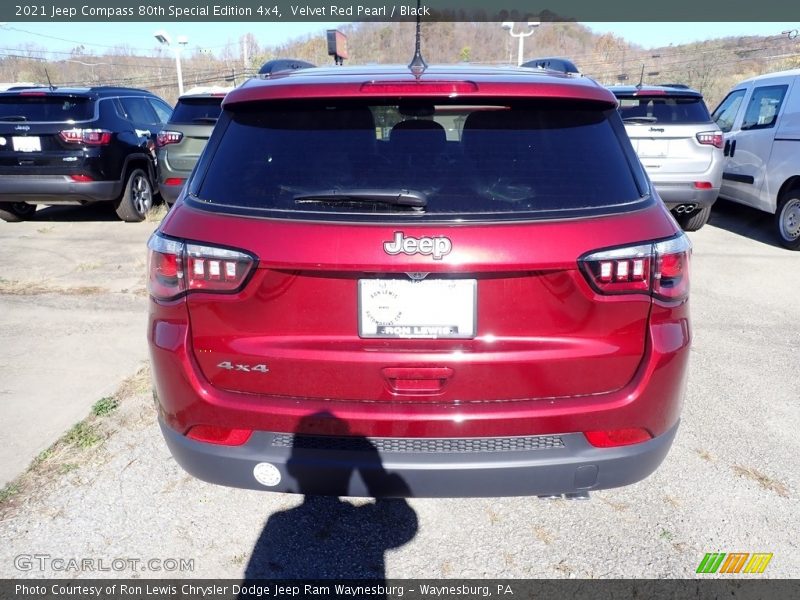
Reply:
x=78 y=146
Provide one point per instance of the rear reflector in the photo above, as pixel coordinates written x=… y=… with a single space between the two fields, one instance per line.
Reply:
x=223 y=436
x=660 y=269
x=450 y=88
x=710 y=138
x=618 y=437
x=176 y=268
x=174 y=181
x=81 y=178
x=703 y=185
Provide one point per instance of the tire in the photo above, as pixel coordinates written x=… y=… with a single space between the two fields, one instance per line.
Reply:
x=694 y=221
x=787 y=220
x=14 y=212
x=137 y=197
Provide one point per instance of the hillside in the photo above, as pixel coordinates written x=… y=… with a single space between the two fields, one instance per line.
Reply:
x=711 y=66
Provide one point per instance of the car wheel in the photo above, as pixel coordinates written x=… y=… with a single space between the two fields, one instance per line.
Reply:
x=694 y=221
x=787 y=220
x=137 y=197
x=14 y=212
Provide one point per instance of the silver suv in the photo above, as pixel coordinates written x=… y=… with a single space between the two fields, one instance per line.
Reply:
x=679 y=145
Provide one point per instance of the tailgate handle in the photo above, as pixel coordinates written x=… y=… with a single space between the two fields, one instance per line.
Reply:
x=417 y=380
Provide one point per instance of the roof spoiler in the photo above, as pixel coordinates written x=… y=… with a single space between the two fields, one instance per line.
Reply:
x=562 y=65
x=272 y=67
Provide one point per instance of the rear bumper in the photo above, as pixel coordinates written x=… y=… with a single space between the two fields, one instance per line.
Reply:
x=674 y=194
x=169 y=193
x=363 y=469
x=56 y=189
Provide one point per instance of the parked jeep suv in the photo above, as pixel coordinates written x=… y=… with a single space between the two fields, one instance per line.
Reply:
x=679 y=145
x=78 y=146
x=457 y=282
x=184 y=137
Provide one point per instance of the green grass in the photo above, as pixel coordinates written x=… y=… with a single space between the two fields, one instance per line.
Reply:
x=44 y=455
x=105 y=406
x=8 y=492
x=83 y=435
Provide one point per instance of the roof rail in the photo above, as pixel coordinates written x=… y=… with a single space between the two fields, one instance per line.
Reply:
x=277 y=65
x=115 y=88
x=563 y=65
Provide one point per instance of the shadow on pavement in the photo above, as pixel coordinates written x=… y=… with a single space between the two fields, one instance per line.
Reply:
x=326 y=537
x=101 y=211
x=744 y=221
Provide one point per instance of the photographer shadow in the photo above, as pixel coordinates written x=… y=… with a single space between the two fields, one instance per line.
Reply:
x=325 y=536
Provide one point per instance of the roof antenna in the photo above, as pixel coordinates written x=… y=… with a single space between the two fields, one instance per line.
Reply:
x=50 y=83
x=418 y=64
x=641 y=79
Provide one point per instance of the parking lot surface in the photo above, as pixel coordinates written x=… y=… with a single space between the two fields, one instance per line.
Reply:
x=72 y=321
x=729 y=484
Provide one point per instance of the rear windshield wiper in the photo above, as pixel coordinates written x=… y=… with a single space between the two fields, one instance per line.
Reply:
x=14 y=118
x=392 y=197
x=641 y=119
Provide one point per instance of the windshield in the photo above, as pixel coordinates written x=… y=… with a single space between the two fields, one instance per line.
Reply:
x=458 y=160
x=197 y=110
x=663 y=109
x=45 y=108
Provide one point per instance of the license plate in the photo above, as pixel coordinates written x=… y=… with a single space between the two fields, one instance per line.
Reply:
x=435 y=308
x=653 y=148
x=26 y=144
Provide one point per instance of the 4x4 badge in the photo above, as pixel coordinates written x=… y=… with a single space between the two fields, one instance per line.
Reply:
x=434 y=246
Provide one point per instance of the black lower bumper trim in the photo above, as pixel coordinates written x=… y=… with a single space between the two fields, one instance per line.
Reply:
x=364 y=470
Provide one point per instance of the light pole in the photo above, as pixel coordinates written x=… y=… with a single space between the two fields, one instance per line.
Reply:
x=163 y=38
x=509 y=26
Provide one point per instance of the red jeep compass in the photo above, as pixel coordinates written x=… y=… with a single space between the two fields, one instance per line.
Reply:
x=456 y=282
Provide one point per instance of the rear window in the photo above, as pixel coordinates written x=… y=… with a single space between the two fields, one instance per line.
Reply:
x=421 y=159
x=197 y=110
x=45 y=108
x=663 y=109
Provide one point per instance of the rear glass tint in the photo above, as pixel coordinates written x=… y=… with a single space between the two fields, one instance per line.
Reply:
x=663 y=109
x=45 y=108
x=457 y=161
x=197 y=110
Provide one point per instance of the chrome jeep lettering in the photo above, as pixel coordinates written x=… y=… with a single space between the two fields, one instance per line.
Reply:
x=437 y=247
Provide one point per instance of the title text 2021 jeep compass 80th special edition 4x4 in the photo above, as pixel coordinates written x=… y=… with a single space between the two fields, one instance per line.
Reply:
x=455 y=282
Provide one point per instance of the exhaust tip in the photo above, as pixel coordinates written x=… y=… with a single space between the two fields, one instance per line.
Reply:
x=569 y=496
x=577 y=496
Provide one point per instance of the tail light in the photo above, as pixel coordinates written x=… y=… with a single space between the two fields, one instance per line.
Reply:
x=618 y=437
x=710 y=138
x=660 y=269
x=90 y=137
x=177 y=267
x=165 y=138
